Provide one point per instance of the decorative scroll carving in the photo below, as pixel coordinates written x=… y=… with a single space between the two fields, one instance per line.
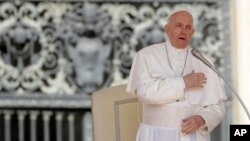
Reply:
x=80 y=47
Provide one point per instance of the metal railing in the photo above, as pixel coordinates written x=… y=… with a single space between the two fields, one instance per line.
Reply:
x=45 y=125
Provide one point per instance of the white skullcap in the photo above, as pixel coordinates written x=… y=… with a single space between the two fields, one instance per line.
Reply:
x=178 y=9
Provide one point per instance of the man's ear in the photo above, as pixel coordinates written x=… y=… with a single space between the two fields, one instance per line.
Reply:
x=166 y=28
x=193 y=31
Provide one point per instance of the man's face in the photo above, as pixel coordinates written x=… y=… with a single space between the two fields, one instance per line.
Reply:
x=180 y=29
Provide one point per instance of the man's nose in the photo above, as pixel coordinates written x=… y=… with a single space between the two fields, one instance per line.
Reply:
x=183 y=30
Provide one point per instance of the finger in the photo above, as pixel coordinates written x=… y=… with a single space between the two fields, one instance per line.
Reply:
x=188 y=130
x=197 y=84
x=200 y=86
x=186 y=123
x=203 y=81
x=201 y=76
x=185 y=128
x=189 y=127
x=191 y=131
x=200 y=73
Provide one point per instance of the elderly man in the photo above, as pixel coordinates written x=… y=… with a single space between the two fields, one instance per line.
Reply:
x=182 y=98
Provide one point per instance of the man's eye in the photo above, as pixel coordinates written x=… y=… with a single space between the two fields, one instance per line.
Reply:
x=189 y=27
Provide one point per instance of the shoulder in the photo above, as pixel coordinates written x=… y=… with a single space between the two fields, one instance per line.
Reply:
x=152 y=49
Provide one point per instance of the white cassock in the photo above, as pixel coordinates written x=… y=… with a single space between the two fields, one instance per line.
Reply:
x=156 y=79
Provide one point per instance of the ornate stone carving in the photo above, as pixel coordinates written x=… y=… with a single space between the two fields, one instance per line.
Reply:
x=79 y=47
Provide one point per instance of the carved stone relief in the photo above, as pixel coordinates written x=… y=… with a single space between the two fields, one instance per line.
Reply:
x=79 y=47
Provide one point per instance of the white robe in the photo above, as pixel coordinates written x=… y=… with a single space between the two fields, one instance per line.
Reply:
x=158 y=87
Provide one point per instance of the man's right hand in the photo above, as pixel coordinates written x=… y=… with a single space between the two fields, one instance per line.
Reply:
x=195 y=80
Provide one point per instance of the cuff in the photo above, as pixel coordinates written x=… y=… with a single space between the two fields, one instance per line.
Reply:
x=203 y=130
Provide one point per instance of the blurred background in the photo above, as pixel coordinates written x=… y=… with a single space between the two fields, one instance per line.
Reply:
x=55 y=53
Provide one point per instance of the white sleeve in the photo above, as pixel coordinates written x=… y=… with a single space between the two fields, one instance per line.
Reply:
x=213 y=115
x=161 y=91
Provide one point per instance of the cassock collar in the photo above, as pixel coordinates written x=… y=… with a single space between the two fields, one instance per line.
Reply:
x=174 y=49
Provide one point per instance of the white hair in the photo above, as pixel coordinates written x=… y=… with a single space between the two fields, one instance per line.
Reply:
x=176 y=10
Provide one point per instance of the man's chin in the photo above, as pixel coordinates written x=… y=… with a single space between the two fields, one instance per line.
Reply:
x=182 y=45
